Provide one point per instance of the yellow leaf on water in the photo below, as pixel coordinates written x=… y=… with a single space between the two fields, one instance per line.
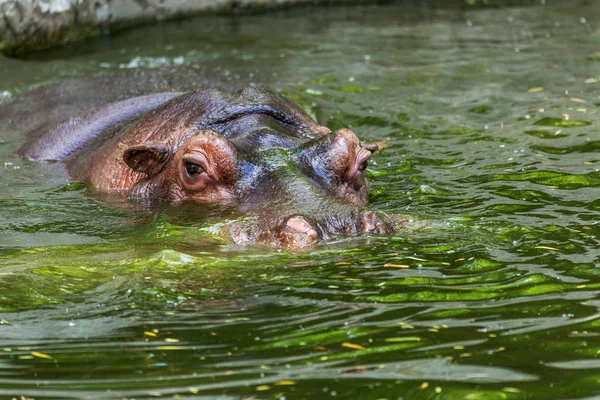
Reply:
x=40 y=355
x=535 y=89
x=396 y=265
x=353 y=346
x=404 y=339
x=149 y=333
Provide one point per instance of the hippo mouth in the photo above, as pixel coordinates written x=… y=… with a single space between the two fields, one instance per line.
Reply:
x=299 y=231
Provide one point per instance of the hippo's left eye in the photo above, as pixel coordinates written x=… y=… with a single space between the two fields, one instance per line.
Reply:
x=193 y=169
x=363 y=165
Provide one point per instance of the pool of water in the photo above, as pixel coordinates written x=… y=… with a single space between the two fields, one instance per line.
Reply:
x=491 y=117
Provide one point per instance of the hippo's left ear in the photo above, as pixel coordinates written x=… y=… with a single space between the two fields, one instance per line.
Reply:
x=149 y=158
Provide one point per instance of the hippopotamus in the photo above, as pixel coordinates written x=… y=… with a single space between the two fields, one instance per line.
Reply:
x=253 y=150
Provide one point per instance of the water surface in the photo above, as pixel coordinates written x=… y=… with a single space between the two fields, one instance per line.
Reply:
x=491 y=117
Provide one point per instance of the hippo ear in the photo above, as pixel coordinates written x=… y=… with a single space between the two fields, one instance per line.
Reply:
x=149 y=158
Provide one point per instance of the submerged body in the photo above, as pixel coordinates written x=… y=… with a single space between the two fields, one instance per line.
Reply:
x=253 y=150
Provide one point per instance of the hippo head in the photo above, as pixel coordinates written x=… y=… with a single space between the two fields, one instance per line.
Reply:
x=209 y=168
x=296 y=182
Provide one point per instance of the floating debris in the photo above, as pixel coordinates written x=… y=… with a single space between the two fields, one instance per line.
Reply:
x=353 y=346
x=285 y=383
x=396 y=266
x=404 y=339
x=41 y=355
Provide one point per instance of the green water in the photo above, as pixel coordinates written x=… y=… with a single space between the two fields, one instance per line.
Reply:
x=491 y=117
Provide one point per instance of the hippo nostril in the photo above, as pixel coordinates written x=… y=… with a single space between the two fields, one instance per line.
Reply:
x=297 y=233
x=369 y=222
x=359 y=181
x=299 y=225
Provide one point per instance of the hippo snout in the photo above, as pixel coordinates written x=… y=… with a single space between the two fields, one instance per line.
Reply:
x=299 y=231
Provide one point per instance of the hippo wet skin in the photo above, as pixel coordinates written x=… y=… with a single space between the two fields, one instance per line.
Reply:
x=253 y=150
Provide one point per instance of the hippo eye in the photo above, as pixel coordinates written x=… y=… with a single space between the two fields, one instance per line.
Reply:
x=363 y=165
x=193 y=169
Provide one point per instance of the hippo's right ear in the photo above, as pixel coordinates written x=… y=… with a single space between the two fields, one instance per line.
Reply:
x=149 y=158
